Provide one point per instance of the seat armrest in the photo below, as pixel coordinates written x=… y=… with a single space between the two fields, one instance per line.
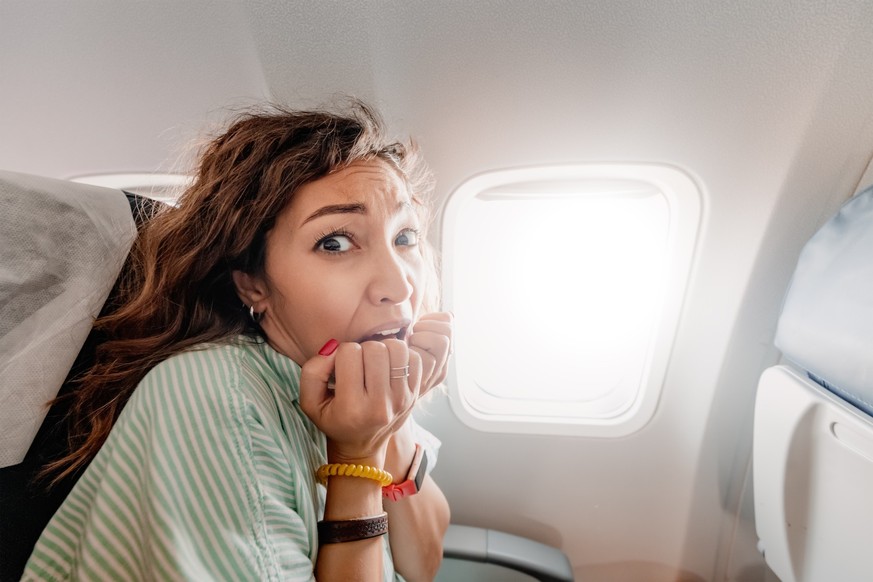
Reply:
x=477 y=544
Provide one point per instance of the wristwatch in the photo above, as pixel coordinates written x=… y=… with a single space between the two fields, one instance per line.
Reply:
x=414 y=478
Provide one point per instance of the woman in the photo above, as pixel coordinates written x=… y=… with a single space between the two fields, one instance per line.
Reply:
x=272 y=336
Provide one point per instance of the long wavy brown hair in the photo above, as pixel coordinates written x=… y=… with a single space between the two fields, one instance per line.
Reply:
x=176 y=291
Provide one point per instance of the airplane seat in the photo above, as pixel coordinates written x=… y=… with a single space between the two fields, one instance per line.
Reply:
x=63 y=247
x=813 y=427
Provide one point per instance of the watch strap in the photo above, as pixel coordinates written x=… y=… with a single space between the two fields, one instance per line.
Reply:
x=414 y=478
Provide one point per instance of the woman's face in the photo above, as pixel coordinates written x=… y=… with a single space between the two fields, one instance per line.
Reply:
x=342 y=262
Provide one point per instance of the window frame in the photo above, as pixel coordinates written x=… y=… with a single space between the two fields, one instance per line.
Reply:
x=685 y=211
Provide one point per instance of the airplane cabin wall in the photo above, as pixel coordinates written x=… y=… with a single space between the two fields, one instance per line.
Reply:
x=768 y=106
x=90 y=87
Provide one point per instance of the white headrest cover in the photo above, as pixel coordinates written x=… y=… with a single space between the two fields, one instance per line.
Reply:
x=826 y=325
x=62 y=245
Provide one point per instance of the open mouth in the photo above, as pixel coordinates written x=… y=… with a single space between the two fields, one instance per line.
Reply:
x=396 y=333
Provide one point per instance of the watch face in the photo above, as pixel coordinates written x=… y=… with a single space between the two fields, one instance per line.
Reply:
x=422 y=472
x=414 y=479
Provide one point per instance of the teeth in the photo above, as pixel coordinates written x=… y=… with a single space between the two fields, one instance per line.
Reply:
x=388 y=332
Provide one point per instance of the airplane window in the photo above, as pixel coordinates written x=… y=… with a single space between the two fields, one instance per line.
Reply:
x=566 y=284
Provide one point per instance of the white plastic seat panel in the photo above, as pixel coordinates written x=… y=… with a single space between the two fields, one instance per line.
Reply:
x=813 y=479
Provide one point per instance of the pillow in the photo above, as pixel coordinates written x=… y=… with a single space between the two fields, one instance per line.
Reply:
x=826 y=326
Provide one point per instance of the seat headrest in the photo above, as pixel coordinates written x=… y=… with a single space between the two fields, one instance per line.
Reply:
x=63 y=245
x=826 y=326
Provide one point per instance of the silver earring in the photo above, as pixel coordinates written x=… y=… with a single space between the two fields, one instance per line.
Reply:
x=256 y=317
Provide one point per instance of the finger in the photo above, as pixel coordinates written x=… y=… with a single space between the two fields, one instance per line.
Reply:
x=403 y=394
x=436 y=345
x=398 y=354
x=447 y=316
x=376 y=363
x=428 y=365
x=315 y=375
x=349 y=373
x=405 y=380
x=439 y=375
x=440 y=326
x=415 y=373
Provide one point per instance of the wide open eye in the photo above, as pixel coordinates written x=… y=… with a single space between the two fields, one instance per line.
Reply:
x=408 y=237
x=334 y=243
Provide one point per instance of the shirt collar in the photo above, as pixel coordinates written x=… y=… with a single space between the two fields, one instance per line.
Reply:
x=284 y=367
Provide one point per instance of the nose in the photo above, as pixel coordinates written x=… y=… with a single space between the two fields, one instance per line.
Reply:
x=392 y=279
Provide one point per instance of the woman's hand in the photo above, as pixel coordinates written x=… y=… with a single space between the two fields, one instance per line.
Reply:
x=367 y=405
x=432 y=340
x=370 y=399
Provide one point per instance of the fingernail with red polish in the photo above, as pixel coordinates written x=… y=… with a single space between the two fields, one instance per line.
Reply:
x=329 y=348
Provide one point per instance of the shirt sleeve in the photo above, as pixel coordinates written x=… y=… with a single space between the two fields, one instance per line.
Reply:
x=190 y=486
x=221 y=494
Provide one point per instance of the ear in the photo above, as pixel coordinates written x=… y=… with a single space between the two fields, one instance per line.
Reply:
x=251 y=289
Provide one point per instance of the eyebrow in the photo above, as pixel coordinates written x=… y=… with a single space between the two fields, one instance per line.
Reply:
x=356 y=208
x=336 y=209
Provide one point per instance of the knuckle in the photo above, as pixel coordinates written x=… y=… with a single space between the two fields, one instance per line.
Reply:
x=308 y=372
x=348 y=348
x=372 y=348
x=397 y=348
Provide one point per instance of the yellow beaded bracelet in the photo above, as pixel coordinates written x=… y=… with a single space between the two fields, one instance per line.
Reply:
x=346 y=470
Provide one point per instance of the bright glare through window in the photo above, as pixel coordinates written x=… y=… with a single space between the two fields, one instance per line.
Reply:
x=566 y=283
x=561 y=292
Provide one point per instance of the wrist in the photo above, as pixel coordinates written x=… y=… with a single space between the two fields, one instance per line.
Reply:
x=352 y=481
x=352 y=498
x=400 y=451
x=336 y=454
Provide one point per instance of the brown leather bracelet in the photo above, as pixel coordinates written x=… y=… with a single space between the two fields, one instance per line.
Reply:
x=351 y=530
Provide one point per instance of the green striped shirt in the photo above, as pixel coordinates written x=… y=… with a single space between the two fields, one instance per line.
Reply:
x=207 y=475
